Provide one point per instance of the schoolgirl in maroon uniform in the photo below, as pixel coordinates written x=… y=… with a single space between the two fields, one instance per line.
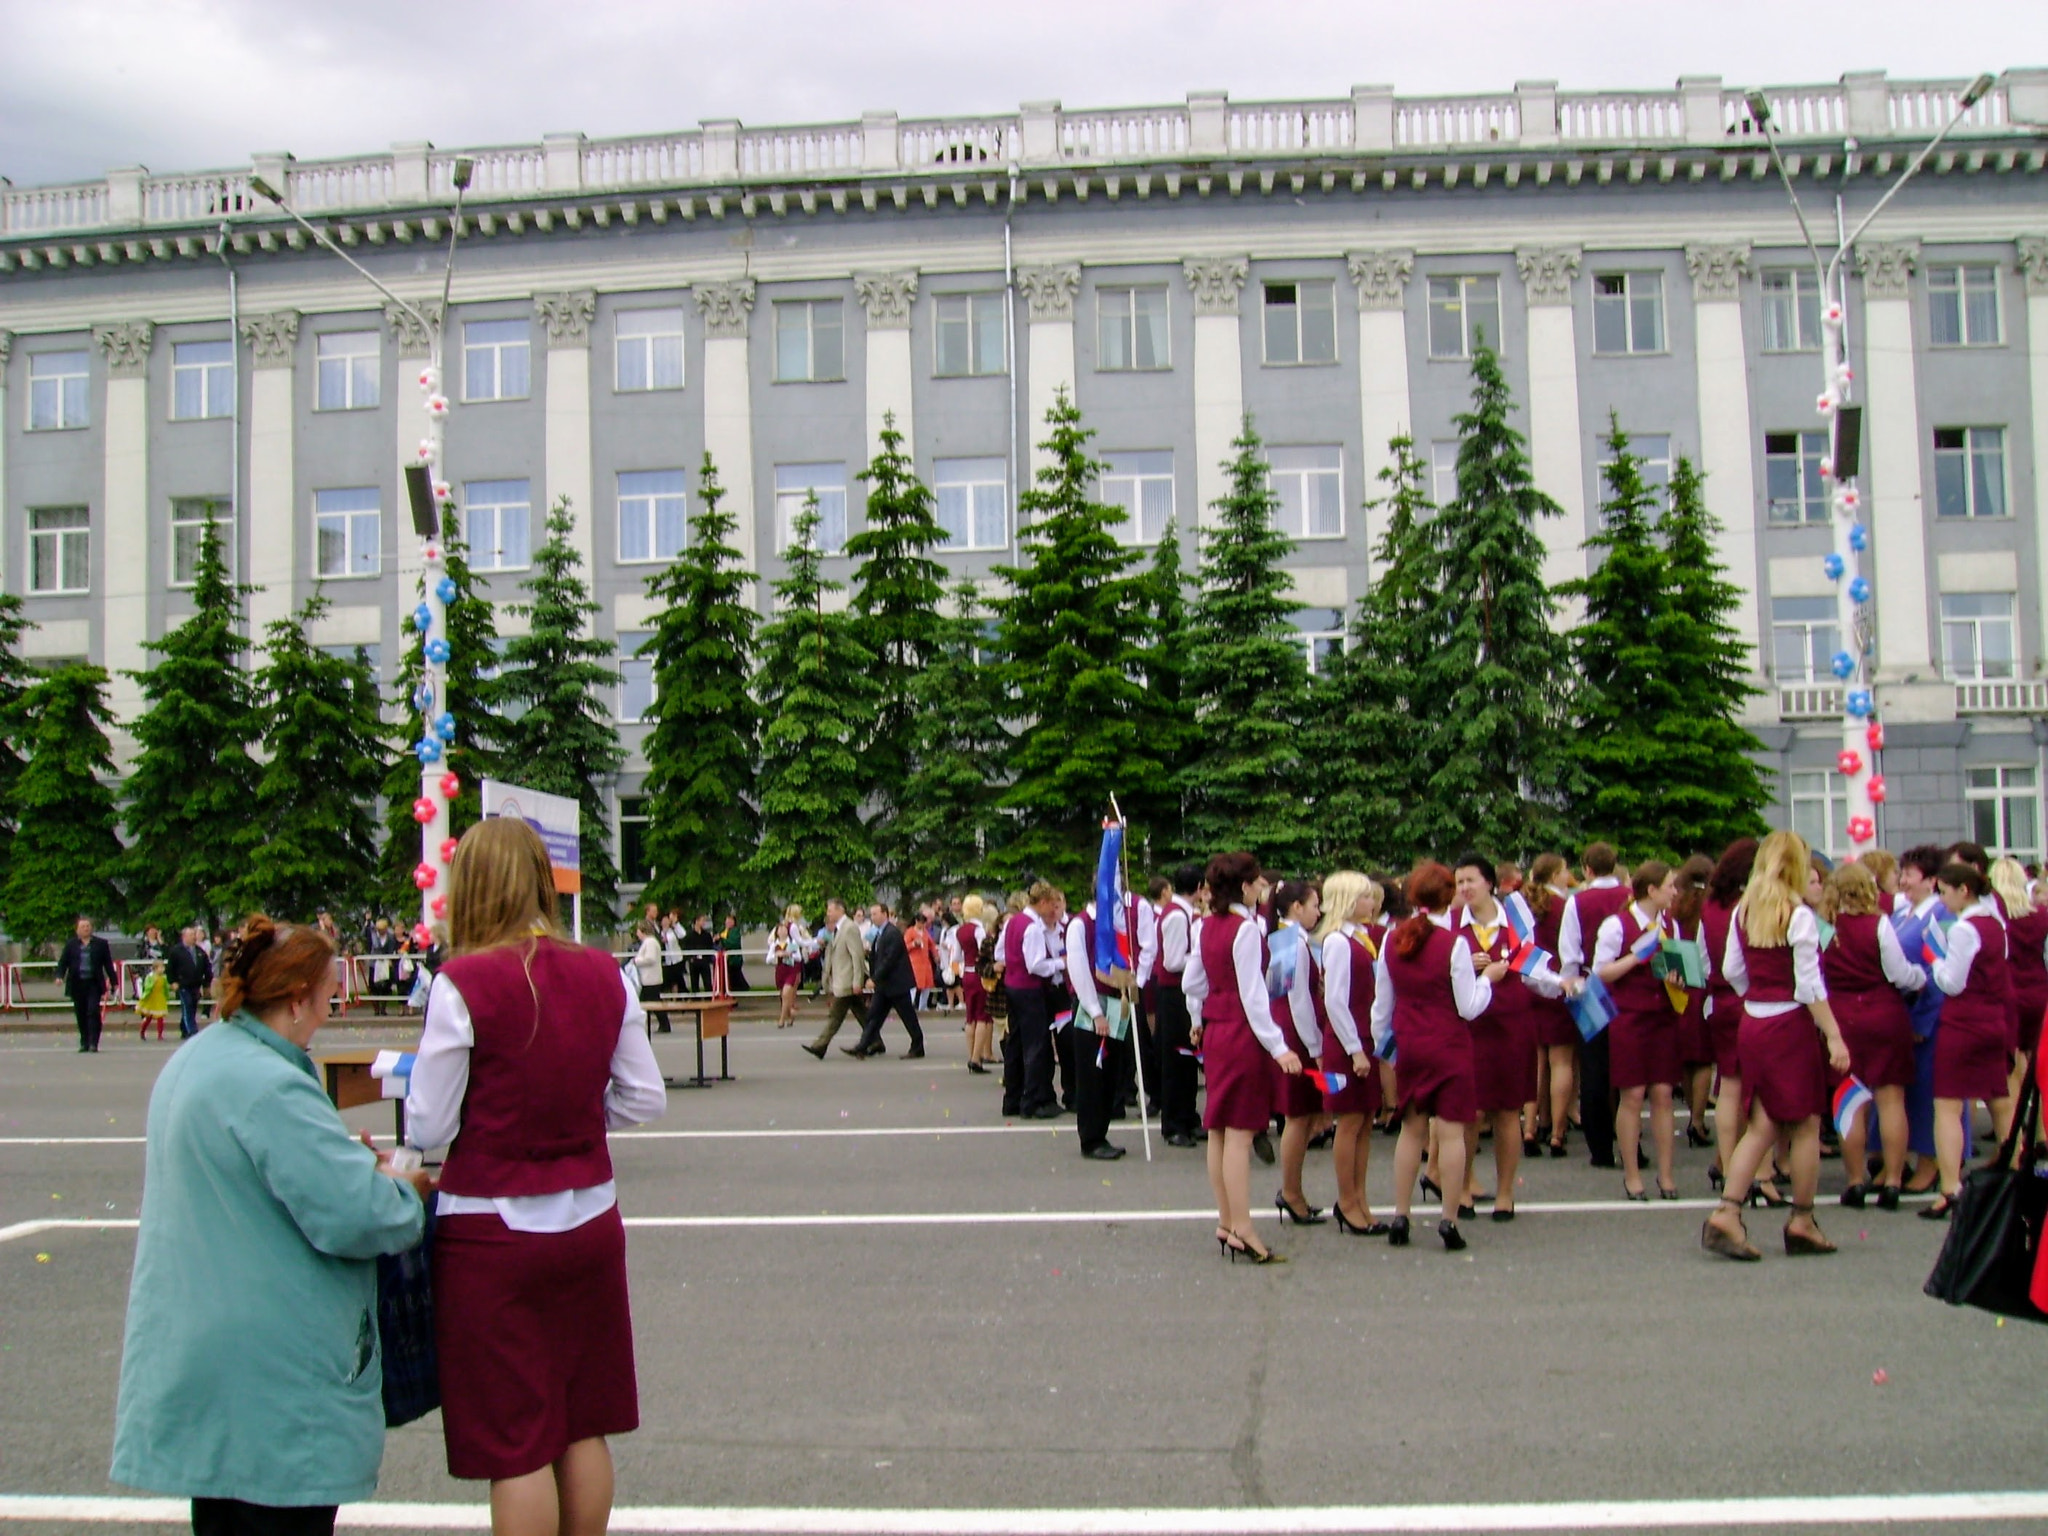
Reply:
x=973 y=993
x=1293 y=983
x=1867 y=971
x=1642 y=1041
x=2026 y=927
x=1724 y=1008
x=1426 y=992
x=1557 y=1035
x=1225 y=984
x=1972 y=1049
x=1350 y=946
x=1695 y=1039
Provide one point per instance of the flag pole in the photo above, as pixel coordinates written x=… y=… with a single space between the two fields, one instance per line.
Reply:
x=1129 y=985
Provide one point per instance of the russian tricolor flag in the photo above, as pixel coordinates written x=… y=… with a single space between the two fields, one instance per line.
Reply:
x=1646 y=946
x=1329 y=1082
x=1850 y=1097
x=1527 y=959
x=1519 y=917
x=1935 y=946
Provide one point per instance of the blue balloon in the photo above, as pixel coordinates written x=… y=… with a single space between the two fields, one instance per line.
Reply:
x=1859 y=537
x=1844 y=665
x=428 y=750
x=438 y=652
x=1859 y=590
x=1833 y=566
x=423 y=698
x=445 y=727
x=1859 y=703
x=445 y=589
x=423 y=618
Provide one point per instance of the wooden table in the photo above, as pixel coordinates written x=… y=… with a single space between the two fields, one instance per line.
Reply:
x=346 y=1077
x=713 y=1018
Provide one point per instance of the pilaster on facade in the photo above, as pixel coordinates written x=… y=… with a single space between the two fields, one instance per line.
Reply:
x=1049 y=293
x=6 y=351
x=124 y=570
x=1556 y=451
x=566 y=318
x=1215 y=283
x=272 y=339
x=1892 y=438
x=125 y=345
x=727 y=306
x=1886 y=267
x=412 y=338
x=273 y=510
x=2033 y=266
x=886 y=299
x=1385 y=411
x=1727 y=455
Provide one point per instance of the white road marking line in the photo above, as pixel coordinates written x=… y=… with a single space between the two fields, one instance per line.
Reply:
x=770 y=1134
x=1350 y=1520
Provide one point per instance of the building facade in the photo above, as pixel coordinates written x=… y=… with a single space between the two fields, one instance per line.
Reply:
x=619 y=309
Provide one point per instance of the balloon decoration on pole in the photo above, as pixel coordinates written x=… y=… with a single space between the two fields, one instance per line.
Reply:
x=438 y=726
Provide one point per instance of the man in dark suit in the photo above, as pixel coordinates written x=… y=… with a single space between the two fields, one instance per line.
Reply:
x=894 y=981
x=191 y=972
x=87 y=966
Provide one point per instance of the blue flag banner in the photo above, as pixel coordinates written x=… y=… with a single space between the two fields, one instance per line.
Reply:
x=1519 y=916
x=1593 y=1008
x=1106 y=957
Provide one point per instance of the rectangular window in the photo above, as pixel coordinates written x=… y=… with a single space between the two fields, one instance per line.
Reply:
x=633 y=823
x=1804 y=639
x=1131 y=329
x=202 y=380
x=499 y=524
x=1977 y=636
x=1655 y=470
x=810 y=343
x=1463 y=311
x=1820 y=811
x=496 y=360
x=1443 y=473
x=1962 y=306
x=370 y=657
x=649 y=343
x=1310 y=485
x=1322 y=636
x=1301 y=322
x=793 y=482
x=653 y=514
x=348 y=366
x=1969 y=471
x=59 y=550
x=1628 y=312
x=57 y=390
x=636 y=677
x=347 y=532
x=970 y=334
x=188 y=528
x=1142 y=484
x=1791 y=311
x=1793 y=486
x=2004 y=806
x=973 y=502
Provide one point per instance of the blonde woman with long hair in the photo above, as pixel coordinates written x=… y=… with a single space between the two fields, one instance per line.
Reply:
x=788 y=948
x=2026 y=931
x=974 y=921
x=1787 y=1044
x=1349 y=946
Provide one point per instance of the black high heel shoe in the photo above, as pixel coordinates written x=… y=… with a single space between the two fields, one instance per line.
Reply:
x=1370 y=1229
x=1695 y=1137
x=1557 y=1148
x=1764 y=1192
x=1397 y=1232
x=1312 y=1217
x=1454 y=1240
x=1667 y=1191
x=1715 y=1176
x=1887 y=1197
x=1431 y=1187
x=1635 y=1194
x=1238 y=1248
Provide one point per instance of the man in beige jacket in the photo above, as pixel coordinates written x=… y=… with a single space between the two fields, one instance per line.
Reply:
x=846 y=972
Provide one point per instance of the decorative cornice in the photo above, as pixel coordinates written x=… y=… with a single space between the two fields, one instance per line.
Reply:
x=1382 y=277
x=272 y=338
x=726 y=306
x=414 y=339
x=2033 y=265
x=127 y=347
x=1215 y=281
x=886 y=297
x=1887 y=268
x=1547 y=272
x=1050 y=290
x=567 y=316
x=1717 y=271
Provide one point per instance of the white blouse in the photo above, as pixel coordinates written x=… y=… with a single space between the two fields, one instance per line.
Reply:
x=1808 y=986
x=1952 y=970
x=1471 y=991
x=1251 y=983
x=1337 y=950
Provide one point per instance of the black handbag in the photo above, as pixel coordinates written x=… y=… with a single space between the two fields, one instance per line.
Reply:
x=405 y=1325
x=1994 y=1234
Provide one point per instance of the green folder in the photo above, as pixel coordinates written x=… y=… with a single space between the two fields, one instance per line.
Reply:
x=1119 y=1019
x=1682 y=958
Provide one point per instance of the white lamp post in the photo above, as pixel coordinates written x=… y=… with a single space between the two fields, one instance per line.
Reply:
x=438 y=786
x=1862 y=731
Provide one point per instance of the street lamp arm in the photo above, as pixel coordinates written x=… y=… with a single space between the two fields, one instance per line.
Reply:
x=265 y=189
x=454 y=235
x=1820 y=267
x=1963 y=107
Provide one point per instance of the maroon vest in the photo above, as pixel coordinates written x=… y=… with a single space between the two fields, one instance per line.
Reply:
x=1714 y=920
x=1016 y=976
x=1984 y=1006
x=969 y=936
x=1425 y=1007
x=1853 y=962
x=1223 y=1004
x=2024 y=938
x=1639 y=992
x=1510 y=997
x=1363 y=985
x=1772 y=977
x=1594 y=908
x=533 y=1116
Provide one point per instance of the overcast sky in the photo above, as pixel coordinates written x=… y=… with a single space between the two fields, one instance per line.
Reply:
x=197 y=84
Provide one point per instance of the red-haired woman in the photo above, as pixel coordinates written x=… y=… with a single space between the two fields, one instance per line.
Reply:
x=1973 y=1047
x=1695 y=1039
x=1225 y=984
x=1867 y=972
x=1642 y=1042
x=1425 y=995
x=1557 y=1035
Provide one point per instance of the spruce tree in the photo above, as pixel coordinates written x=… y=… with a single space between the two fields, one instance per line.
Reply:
x=472 y=695
x=1372 y=717
x=1072 y=632
x=815 y=685
x=16 y=678
x=897 y=591
x=192 y=789
x=1625 y=700
x=949 y=821
x=1247 y=678
x=316 y=801
x=65 y=849
x=701 y=819
x=1167 y=718
x=1497 y=686
x=557 y=687
x=1717 y=793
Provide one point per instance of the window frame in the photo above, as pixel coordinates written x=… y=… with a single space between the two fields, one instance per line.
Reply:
x=969 y=301
x=1976 y=626
x=64 y=397
x=1462 y=304
x=353 y=519
x=631 y=666
x=1300 y=287
x=1961 y=272
x=652 y=497
x=971 y=484
x=1833 y=800
x=499 y=351
x=189 y=512
x=349 y=361
x=212 y=373
x=1437 y=471
x=1801 y=287
x=789 y=501
x=1822 y=638
x=783 y=309
x=62 y=540
x=1630 y=278
x=1132 y=530
x=1303 y=471
x=1130 y=327
x=1810 y=448
x=1967 y=455
x=2001 y=794
x=637 y=816
x=475 y=545
x=1654 y=471
x=623 y=343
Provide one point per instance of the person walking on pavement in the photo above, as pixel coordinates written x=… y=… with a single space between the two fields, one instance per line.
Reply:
x=846 y=972
x=895 y=985
x=190 y=970
x=87 y=966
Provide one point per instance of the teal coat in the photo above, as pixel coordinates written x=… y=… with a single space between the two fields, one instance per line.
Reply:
x=250 y=1369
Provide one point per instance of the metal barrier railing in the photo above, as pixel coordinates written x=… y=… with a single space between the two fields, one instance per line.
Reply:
x=720 y=987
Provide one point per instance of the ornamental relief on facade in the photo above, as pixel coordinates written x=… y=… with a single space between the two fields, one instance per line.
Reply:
x=126 y=346
x=1381 y=276
x=886 y=296
x=1547 y=272
x=1049 y=291
x=726 y=306
x=567 y=316
x=271 y=337
x=1887 y=267
x=1717 y=271
x=1215 y=282
x=414 y=339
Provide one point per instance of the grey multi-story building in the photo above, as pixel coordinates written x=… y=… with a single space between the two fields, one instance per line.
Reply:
x=620 y=308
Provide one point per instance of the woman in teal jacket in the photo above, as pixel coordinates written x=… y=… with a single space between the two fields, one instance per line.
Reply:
x=250 y=1378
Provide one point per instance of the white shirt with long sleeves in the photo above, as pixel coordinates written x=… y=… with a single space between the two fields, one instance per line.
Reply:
x=1952 y=970
x=1607 y=943
x=1471 y=991
x=1544 y=981
x=1571 y=942
x=1898 y=970
x=1808 y=985
x=1176 y=935
x=1301 y=998
x=440 y=1079
x=1041 y=957
x=647 y=962
x=1338 y=949
x=1251 y=983
x=1081 y=968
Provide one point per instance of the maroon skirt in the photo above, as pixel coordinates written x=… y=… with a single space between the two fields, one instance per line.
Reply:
x=1433 y=1076
x=1879 y=1033
x=1239 y=1075
x=975 y=999
x=1970 y=1064
x=787 y=975
x=2032 y=1004
x=1695 y=1039
x=1642 y=1048
x=535 y=1338
x=1504 y=1059
x=1359 y=1095
x=1554 y=1022
x=1294 y=1097
x=1784 y=1066
x=1724 y=1030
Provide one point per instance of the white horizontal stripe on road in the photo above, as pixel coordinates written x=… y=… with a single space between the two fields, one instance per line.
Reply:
x=1661 y=1514
x=770 y=1134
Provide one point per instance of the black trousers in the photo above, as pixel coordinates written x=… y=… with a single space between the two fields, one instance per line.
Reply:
x=1063 y=1052
x=1176 y=1084
x=233 y=1517
x=85 y=1007
x=1596 y=1100
x=700 y=972
x=188 y=1012
x=903 y=1007
x=1027 y=1052
x=1095 y=1087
